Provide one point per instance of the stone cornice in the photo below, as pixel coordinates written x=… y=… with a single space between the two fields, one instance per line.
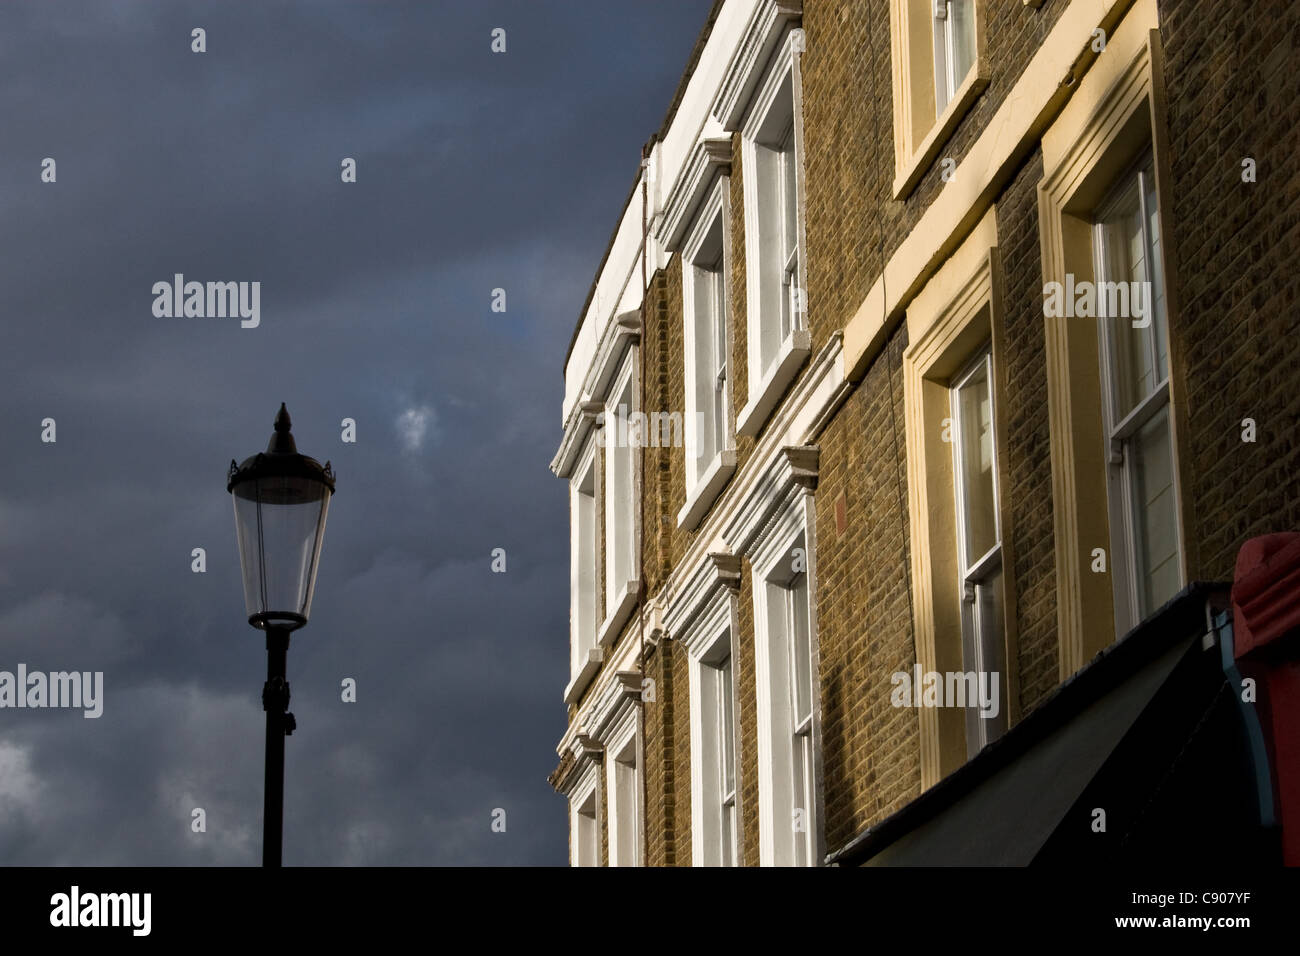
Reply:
x=718 y=574
x=589 y=669
x=586 y=414
x=617 y=706
x=792 y=471
x=577 y=760
x=744 y=70
x=709 y=157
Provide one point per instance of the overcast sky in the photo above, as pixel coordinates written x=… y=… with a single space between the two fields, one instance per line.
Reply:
x=475 y=171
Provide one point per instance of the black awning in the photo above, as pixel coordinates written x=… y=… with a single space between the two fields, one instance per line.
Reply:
x=1130 y=734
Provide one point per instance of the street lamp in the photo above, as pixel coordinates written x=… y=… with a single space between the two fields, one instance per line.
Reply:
x=281 y=498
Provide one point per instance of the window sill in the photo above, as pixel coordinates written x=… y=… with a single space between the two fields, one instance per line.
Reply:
x=707 y=489
x=914 y=167
x=589 y=669
x=622 y=610
x=763 y=400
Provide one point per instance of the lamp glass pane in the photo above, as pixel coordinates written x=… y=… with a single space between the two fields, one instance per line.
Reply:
x=250 y=552
x=280 y=523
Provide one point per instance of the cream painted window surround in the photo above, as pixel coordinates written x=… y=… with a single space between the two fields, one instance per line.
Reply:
x=956 y=316
x=1116 y=115
x=939 y=70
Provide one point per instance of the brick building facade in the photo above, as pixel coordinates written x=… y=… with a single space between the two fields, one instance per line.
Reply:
x=940 y=347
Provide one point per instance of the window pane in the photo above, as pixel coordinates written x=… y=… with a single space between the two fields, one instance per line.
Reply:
x=1154 y=520
x=587 y=848
x=628 y=812
x=635 y=822
x=707 y=283
x=988 y=600
x=586 y=565
x=726 y=752
x=961 y=27
x=628 y=544
x=789 y=196
x=1157 y=276
x=791 y=309
x=719 y=320
x=719 y=425
x=719 y=362
x=803 y=797
x=800 y=774
x=975 y=467
x=726 y=727
x=988 y=604
x=800 y=648
x=789 y=257
x=983 y=630
x=729 y=835
x=622 y=507
x=1125 y=260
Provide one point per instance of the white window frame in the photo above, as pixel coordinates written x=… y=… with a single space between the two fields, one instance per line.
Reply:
x=1121 y=477
x=778 y=732
x=982 y=652
x=584 y=802
x=787 y=158
x=773 y=358
x=797 y=638
x=584 y=580
x=708 y=640
x=724 y=695
x=622 y=516
x=946 y=83
x=624 y=785
x=707 y=252
x=715 y=832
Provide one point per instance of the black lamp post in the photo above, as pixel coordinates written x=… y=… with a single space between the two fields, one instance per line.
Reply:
x=281 y=498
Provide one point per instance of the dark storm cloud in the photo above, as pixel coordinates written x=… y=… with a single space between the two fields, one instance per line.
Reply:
x=475 y=171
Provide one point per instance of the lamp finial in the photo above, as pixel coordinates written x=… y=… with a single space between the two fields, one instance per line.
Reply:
x=282 y=441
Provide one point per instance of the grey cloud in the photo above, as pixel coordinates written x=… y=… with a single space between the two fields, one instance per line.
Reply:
x=474 y=173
